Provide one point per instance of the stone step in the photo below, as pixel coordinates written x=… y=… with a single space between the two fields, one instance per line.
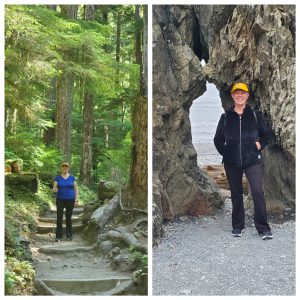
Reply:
x=75 y=219
x=44 y=227
x=95 y=286
x=66 y=247
x=76 y=210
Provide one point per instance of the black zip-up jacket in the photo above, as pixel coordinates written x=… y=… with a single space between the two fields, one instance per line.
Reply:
x=236 y=136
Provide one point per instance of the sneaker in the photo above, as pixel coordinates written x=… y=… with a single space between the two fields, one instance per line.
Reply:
x=267 y=235
x=236 y=232
x=57 y=240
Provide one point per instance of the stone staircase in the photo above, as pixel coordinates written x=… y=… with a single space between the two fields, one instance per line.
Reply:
x=72 y=267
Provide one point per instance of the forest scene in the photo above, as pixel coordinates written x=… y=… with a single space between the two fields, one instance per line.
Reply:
x=76 y=92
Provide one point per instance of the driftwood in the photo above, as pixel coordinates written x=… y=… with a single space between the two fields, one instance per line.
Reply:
x=217 y=173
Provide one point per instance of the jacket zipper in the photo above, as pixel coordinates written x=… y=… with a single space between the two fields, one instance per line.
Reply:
x=241 y=141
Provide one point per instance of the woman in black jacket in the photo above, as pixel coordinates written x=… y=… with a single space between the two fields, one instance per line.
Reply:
x=241 y=135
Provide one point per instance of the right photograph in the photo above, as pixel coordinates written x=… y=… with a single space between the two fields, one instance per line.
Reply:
x=224 y=154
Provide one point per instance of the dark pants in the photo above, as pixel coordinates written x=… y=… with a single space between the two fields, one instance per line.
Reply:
x=60 y=205
x=254 y=177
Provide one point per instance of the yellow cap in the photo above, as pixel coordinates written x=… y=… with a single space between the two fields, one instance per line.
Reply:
x=240 y=86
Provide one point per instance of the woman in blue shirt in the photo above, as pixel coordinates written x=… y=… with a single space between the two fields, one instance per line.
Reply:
x=65 y=186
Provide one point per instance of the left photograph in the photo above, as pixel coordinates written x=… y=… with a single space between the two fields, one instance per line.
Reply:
x=76 y=150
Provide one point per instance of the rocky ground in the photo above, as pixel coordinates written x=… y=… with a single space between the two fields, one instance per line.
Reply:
x=198 y=256
x=72 y=267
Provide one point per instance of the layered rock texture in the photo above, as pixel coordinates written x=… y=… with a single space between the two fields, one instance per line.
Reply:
x=254 y=43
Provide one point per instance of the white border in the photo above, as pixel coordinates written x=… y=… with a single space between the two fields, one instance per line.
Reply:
x=124 y=2
x=153 y=2
x=2 y=145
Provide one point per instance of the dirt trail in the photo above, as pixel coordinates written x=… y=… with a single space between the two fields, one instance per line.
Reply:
x=72 y=267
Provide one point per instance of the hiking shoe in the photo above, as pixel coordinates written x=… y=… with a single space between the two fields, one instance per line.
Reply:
x=267 y=235
x=236 y=232
x=57 y=240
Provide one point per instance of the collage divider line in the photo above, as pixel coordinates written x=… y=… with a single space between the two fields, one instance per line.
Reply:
x=150 y=103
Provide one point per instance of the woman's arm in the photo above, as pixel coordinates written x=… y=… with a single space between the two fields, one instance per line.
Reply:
x=76 y=193
x=219 y=139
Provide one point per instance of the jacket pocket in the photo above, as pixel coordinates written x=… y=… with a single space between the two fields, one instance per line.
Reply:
x=251 y=155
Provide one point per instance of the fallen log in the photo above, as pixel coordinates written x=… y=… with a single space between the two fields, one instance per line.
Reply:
x=217 y=173
x=29 y=181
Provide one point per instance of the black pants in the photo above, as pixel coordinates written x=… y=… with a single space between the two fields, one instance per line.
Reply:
x=254 y=177
x=60 y=205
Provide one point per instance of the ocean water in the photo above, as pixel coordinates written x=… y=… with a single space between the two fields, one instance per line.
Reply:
x=205 y=113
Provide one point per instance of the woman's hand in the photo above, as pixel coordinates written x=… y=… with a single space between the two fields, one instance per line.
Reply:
x=55 y=187
x=76 y=203
x=258 y=145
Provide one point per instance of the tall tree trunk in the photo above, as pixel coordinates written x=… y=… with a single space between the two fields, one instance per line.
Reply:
x=14 y=121
x=64 y=99
x=138 y=168
x=7 y=118
x=86 y=159
x=118 y=59
x=49 y=132
x=52 y=7
x=137 y=196
x=118 y=47
x=11 y=120
x=138 y=39
x=144 y=86
x=102 y=13
x=89 y=12
x=64 y=92
x=106 y=136
x=88 y=120
x=69 y=11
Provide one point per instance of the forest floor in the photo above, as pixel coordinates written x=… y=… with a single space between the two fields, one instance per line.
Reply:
x=199 y=256
x=71 y=267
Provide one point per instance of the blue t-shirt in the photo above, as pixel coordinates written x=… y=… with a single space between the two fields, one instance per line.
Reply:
x=65 y=188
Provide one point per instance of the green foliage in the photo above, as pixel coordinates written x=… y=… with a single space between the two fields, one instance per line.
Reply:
x=116 y=160
x=21 y=209
x=139 y=259
x=40 y=45
x=86 y=195
x=36 y=156
x=140 y=263
x=9 y=283
x=19 y=277
x=28 y=64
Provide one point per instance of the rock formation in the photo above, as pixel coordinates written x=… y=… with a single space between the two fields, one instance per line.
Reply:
x=255 y=43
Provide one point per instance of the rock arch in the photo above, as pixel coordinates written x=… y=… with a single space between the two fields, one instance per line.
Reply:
x=255 y=43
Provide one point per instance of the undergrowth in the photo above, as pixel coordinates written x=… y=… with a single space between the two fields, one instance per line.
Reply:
x=21 y=209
